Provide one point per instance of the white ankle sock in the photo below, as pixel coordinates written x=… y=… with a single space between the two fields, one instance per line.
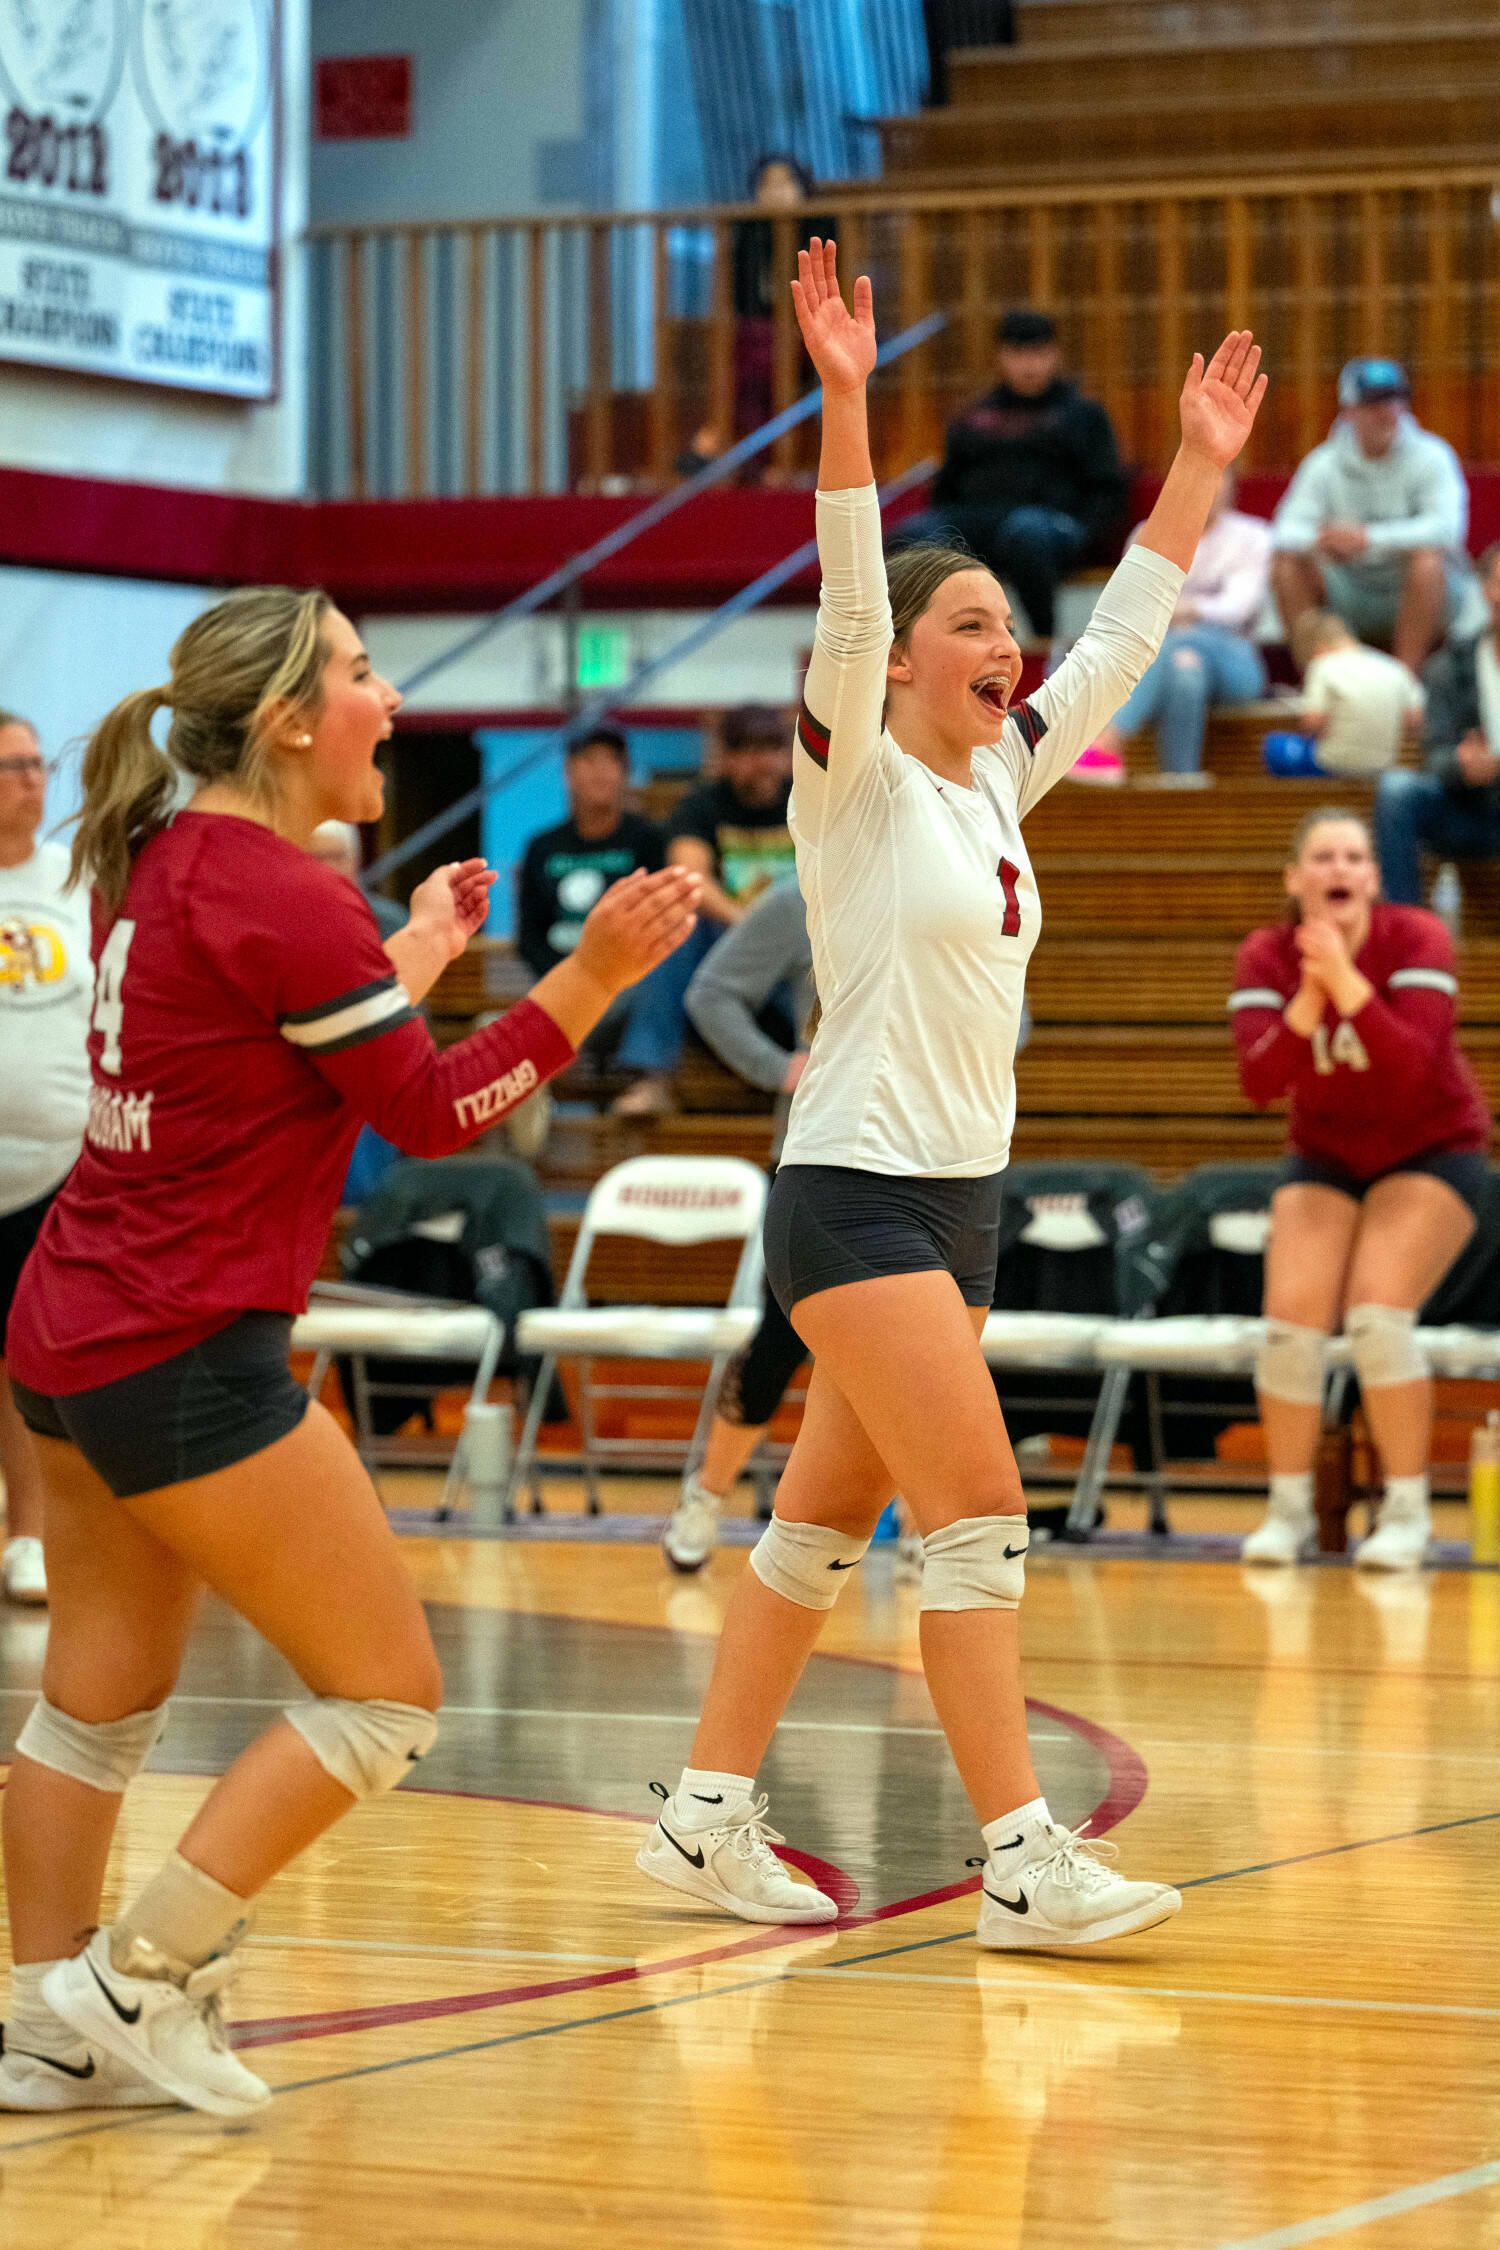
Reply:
x=1292 y=1495
x=1406 y=1496
x=30 y=2026
x=703 y=1799
x=1009 y=1838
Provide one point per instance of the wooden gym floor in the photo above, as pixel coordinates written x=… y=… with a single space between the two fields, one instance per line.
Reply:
x=484 y=2027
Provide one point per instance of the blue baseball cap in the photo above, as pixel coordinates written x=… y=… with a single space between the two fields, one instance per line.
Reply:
x=1369 y=382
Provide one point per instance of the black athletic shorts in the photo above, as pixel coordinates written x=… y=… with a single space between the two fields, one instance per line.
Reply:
x=827 y=1224
x=1465 y=1170
x=203 y=1409
x=18 y=1233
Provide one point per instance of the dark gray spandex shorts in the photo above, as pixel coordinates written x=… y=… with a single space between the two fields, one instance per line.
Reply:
x=203 y=1409
x=827 y=1225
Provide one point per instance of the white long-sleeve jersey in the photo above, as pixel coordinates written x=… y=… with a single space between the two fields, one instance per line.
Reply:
x=922 y=907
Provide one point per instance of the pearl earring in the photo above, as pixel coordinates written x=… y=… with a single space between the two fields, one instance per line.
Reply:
x=304 y=741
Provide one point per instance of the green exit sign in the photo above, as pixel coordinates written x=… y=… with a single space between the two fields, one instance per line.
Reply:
x=603 y=656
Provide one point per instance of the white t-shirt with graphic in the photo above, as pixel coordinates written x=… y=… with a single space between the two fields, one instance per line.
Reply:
x=922 y=908
x=46 y=990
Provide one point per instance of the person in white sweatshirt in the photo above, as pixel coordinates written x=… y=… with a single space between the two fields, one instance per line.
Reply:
x=46 y=991
x=1373 y=523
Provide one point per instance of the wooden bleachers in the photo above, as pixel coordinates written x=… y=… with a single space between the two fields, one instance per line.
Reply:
x=1096 y=24
x=1104 y=89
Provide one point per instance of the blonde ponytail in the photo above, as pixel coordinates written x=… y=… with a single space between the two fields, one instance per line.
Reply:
x=255 y=656
x=128 y=785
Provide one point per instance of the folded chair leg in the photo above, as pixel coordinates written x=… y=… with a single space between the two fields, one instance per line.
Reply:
x=1095 y=1466
x=1158 y=1484
x=521 y=1465
x=587 y=1426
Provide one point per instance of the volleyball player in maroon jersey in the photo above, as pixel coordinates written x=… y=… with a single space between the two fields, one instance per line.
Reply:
x=247 y=1022
x=1349 y=1008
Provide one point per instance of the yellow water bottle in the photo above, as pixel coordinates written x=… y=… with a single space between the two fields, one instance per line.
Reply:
x=1484 y=1491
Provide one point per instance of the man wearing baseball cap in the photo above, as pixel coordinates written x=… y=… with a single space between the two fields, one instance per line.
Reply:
x=1031 y=476
x=1373 y=523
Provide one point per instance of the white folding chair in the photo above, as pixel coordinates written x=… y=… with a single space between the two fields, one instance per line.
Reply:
x=364 y=1323
x=675 y=1200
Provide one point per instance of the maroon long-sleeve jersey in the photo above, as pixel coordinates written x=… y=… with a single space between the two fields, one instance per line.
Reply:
x=246 y=1023
x=1369 y=1090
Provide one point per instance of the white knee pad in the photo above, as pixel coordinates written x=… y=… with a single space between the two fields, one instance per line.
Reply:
x=367 y=1747
x=1383 y=1347
x=1289 y=1364
x=107 y=1754
x=977 y=1563
x=805 y=1562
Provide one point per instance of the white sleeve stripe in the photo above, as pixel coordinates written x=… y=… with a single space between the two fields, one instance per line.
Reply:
x=1429 y=980
x=1256 y=996
x=389 y=1002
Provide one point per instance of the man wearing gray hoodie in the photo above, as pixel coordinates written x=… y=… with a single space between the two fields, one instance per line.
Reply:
x=1373 y=523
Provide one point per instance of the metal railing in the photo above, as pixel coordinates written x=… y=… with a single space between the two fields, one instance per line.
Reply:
x=570 y=574
x=552 y=745
x=533 y=355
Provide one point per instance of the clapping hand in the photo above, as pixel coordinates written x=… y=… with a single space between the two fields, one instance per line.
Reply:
x=452 y=904
x=840 y=344
x=1219 y=402
x=637 y=923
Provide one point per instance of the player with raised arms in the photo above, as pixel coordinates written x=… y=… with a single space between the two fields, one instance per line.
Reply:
x=1350 y=1007
x=914 y=771
x=247 y=1022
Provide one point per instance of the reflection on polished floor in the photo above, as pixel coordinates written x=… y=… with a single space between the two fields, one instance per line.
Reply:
x=484 y=2027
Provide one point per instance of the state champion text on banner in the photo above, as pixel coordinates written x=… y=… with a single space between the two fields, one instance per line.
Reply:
x=137 y=198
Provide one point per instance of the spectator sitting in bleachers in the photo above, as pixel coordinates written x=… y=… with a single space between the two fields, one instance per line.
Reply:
x=1453 y=806
x=1374 y=521
x=1357 y=702
x=733 y=832
x=566 y=870
x=1031 y=477
x=1207 y=657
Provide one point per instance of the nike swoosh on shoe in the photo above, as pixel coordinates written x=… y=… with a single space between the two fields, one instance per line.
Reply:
x=694 y=1859
x=70 y=2070
x=1021 y=1905
x=126 y=2015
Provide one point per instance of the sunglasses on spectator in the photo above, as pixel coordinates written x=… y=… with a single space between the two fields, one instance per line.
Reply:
x=28 y=769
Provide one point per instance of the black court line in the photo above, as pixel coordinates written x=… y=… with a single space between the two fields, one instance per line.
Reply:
x=139 y=2118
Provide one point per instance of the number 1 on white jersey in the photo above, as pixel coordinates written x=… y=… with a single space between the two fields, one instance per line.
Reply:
x=109 y=994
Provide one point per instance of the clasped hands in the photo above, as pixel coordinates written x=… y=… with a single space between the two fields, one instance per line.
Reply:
x=1328 y=973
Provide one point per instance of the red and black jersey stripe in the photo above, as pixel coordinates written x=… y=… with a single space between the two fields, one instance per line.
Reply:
x=1031 y=723
x=812 y=736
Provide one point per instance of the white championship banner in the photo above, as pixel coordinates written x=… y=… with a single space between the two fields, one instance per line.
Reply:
x=137 y=200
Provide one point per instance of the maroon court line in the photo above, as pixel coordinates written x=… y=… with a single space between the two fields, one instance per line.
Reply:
x=1127 y=1786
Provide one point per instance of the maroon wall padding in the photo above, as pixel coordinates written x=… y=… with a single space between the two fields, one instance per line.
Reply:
x=454 y=554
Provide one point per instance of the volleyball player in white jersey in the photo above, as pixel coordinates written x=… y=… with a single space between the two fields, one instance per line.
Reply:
x=881 y=1231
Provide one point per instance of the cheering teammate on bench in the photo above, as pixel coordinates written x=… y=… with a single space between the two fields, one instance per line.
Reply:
x=246 y=1023
x=1350 y=1009
x=882 y=1229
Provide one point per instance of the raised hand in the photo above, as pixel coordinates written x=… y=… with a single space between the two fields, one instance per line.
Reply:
x=637 y=923
x=452 y=904
x=1219 y=402
x=840 y=344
